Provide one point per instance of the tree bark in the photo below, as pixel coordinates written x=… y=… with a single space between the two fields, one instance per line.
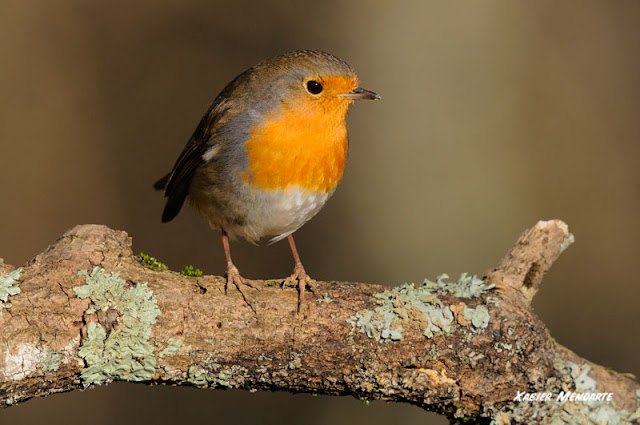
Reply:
x=89 y=312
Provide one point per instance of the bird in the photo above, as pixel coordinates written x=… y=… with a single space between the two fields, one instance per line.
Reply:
x=268 y=154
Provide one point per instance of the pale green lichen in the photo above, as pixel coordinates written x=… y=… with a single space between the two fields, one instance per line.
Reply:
x=406 y=302
x=379 y=323
x=223 y=380
x=197 y=376
x=230 y=377
x=173 y=346
x=493 y=300
x=478 y=316
x=581 y=377
x=125 y=352
x=559 y=410
x=51 y=361
x=567 y=242
x=503 y=346
x=8 y=287
x=467 y=286
x=325 y=299
x=594 y=410
x=421 y=304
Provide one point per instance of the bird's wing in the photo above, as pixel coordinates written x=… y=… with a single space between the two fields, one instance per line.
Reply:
x=176 y=184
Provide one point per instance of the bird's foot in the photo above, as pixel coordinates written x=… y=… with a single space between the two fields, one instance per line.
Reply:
x=302 y=280
x=233 y=277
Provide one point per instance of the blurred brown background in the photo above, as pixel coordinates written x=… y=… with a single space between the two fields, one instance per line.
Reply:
x=494 y=115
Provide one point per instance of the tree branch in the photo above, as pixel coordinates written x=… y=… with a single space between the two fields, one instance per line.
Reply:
x=89 y=312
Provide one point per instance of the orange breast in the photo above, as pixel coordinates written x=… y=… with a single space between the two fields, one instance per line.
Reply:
x=304 y=145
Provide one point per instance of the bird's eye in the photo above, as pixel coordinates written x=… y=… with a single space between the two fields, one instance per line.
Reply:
x=314 y=87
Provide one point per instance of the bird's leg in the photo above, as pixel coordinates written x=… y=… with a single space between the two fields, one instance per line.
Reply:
x=233 y=275
x=299 y=274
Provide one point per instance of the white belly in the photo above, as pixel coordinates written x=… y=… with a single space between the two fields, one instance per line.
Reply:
x=279 y=213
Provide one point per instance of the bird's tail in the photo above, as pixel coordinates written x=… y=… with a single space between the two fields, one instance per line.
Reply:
x=162 y=183
x=174 y=199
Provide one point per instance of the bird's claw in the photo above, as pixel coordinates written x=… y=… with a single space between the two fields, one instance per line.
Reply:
x=302 y=280
x=233 y=277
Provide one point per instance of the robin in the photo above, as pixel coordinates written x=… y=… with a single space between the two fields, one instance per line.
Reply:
x=268 y=154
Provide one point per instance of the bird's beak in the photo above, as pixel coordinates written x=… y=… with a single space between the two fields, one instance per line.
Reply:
x=360 y=93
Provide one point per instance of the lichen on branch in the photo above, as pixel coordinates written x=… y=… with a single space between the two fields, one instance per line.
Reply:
x=8 y=287
x=89 y=311
x=123 y=351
